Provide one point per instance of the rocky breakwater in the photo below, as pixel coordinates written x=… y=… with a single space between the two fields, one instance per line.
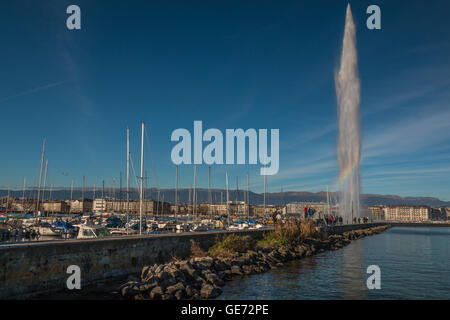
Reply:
x=203 y=276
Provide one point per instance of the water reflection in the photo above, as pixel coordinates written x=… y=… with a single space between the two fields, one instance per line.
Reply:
x=414 y=262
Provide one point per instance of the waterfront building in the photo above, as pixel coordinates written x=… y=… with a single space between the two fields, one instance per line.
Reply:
x=258 y=211
x=377 y=212
x=55 y=207
x=407 y=213
x=82 y=205
x=150 y=207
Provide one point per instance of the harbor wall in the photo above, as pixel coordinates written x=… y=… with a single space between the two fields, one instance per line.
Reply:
x=30 y=269
x=350 y=227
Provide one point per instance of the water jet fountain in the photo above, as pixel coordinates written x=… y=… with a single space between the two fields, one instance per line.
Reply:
x=349 y=139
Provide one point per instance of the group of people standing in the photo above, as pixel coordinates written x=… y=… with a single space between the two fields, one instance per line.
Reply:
x=309 y=212
x=361 y=220
x=331 y=220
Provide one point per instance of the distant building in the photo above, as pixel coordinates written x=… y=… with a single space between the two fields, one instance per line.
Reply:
x=55 y=207
x=149 y=207
x=258 y=211
x=80 y=205
x=377 y=212
x=407 y=213
x=438 y=214
x=319 y=207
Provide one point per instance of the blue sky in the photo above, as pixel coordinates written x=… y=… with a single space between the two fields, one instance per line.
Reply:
x=231 y=64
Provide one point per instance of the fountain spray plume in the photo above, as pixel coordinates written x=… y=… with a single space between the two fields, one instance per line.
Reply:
x=349 y=140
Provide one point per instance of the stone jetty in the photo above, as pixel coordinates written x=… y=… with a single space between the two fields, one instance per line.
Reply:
x=203 y=277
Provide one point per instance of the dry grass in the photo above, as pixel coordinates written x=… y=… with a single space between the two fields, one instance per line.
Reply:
x=289 y=233
x=308 y=229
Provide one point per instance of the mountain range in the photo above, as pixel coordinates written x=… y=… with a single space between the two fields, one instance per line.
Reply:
x=218 y=195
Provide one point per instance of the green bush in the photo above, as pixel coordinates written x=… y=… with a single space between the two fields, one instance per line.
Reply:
x=231 y=245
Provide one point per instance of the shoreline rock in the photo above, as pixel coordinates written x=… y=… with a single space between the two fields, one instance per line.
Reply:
x=202 y=278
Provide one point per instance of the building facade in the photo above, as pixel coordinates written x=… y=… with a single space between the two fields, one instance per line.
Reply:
x=80 y=205
x=377 y=212
x=407 y=213
x=55 y=207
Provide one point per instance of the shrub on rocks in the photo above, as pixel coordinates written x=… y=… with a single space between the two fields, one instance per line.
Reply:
x=232 y=245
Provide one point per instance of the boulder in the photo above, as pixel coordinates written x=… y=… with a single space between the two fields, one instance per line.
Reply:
x=214 y=279
x=174 y=288
x=159 y=268
x=189 y=291
x=146 y=272
x=156 y=293
x=209 y=291
x=220 y=266
x=247 y=269
x=147 y=286
x=236 y=270
x=167 y=296
x=180 y=294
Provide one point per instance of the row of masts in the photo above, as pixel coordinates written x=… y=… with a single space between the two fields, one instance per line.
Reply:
x=141 y=189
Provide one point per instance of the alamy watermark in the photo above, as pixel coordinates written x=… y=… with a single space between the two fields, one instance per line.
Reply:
x=74 y=280
x=235 y=147
x=374 y=280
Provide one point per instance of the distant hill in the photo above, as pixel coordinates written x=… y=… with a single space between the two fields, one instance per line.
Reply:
x=255 y=198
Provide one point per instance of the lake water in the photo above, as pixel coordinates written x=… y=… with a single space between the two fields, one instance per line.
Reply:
x=414 y=263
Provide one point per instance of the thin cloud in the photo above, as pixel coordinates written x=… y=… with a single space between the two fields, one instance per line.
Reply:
x=34 y=90
x=411 y=135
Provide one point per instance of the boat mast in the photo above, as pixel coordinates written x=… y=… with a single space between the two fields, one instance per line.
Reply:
x=237 y=196
x=23 y=194
x=114 y=190
x=157 y=203
x=176 y=192
x=190 y=203
x=328 y=202
x=265 y=195
x=142 y=180
x=209 y=191
x=7 y=200
x=40 y=178
x=128 y=175
x=51 y=199
x=143 y=192
x=228 y=207
x=248 y=201
x=45 y=180
x=195 y=192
